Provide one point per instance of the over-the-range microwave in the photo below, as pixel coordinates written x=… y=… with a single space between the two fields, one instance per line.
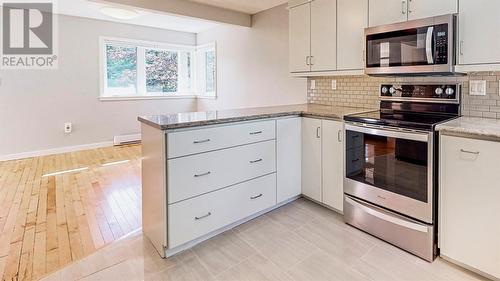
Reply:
x=417 y=47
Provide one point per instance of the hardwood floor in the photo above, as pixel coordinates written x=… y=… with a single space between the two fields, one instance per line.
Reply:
x=60 y=208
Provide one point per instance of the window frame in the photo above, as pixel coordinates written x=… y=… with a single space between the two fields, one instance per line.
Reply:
x=141 y=89
x=201 y=78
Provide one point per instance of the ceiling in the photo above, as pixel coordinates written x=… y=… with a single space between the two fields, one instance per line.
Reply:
x=245 y=6
x=86 y=9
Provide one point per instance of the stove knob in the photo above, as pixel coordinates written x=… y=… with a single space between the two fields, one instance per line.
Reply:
x=392 y=90
x=449 y=91
x=439 y=91
x=385 y=90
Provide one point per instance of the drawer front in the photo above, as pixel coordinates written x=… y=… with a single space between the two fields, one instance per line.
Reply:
x=203 y=140
x=193 y=218
x=198 y=174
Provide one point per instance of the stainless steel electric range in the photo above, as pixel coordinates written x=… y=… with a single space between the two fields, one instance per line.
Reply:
x=390 y=186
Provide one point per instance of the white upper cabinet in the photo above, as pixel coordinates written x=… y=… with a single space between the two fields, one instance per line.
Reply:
x=352 y=18
x=323 y=35
x=387 y=11
x=311 y=158
x=479 y=32
x=392 y=11
x=313 y=36
x=333 y=164
x=300 y=37
x=418 y=9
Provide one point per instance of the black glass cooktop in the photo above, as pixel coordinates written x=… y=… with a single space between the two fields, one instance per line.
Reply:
x=402 y=119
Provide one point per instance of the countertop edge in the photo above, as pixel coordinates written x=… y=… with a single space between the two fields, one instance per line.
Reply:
x=195 y=124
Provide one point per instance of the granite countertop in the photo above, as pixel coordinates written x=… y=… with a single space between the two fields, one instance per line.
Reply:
x=483 y=128
x=195 y=119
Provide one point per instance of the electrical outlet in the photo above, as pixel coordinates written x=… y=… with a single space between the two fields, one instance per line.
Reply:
x=68 y=128
x=334 y=84
x=477 y=88
x=313 y=84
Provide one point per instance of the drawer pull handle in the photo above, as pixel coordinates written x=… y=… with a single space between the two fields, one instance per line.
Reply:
x=201 y=141
x=256 y=161
x=202 y=217
x=201 y=175
x=255 y=197
x=256 y=133
x=469 y=152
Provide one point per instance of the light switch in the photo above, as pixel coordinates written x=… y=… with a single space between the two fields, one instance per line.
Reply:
x=334 y=84
x=313 y=84
x=477 y=88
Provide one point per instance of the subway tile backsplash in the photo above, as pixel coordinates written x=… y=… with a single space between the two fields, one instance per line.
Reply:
x=363 y=91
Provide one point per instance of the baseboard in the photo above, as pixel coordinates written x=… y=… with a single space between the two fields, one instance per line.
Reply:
x=51 y=151
x=125 y=139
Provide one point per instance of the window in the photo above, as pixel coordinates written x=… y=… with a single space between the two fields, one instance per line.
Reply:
x=206 y=70
x=136 y=69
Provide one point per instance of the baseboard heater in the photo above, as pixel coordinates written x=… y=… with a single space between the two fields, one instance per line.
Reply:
x=127 y=139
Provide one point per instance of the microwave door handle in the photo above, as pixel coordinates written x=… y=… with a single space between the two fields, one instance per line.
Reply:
x=428 y=45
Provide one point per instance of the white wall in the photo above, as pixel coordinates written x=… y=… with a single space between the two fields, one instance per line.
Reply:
x=35 y=104
x=252 y=67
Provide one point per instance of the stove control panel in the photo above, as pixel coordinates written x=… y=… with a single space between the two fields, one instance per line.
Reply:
x=448 y=93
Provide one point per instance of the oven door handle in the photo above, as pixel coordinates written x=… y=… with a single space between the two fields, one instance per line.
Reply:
x=428 y=45
x=390 y=132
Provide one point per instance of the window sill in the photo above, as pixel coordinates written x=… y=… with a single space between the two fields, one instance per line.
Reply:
x=126 y=98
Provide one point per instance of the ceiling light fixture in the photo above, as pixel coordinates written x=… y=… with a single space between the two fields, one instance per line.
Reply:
x=119 y=13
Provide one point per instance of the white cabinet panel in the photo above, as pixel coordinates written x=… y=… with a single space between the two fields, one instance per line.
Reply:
x=195 y=141
x=332 y=163
x=479 y=32
x=468 y=209
x=198 y=174
x=323 y=35
x=288 y=159
x=193 y=218
x=387 y=11
x=300 y=37
x=352 y=19
x=419 y=9
x=311 y=158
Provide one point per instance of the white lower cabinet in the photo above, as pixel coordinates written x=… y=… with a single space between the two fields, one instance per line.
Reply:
x=201 y=215
x=288 y=158
x=201 y=173
x=311 y=158
x=322 y=161
x=469 y=231
x=333 y=163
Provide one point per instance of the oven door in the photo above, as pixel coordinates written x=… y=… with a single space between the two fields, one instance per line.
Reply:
x=391 y=168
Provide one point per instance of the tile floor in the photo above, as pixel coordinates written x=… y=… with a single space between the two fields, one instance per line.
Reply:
x=299 y=241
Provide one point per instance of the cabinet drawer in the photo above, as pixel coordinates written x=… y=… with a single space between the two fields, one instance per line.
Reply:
x=193 y=218
x=203 y=140
x=198 y=174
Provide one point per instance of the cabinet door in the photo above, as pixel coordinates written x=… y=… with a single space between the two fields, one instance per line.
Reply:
x=469 y=193
x=323 y=35
x=419 y=9
x=300 y=37
x=332 y=163
x=352 y=19
x=289 y=154
x=387 y=11
x=478 y=30
x=311 y=158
